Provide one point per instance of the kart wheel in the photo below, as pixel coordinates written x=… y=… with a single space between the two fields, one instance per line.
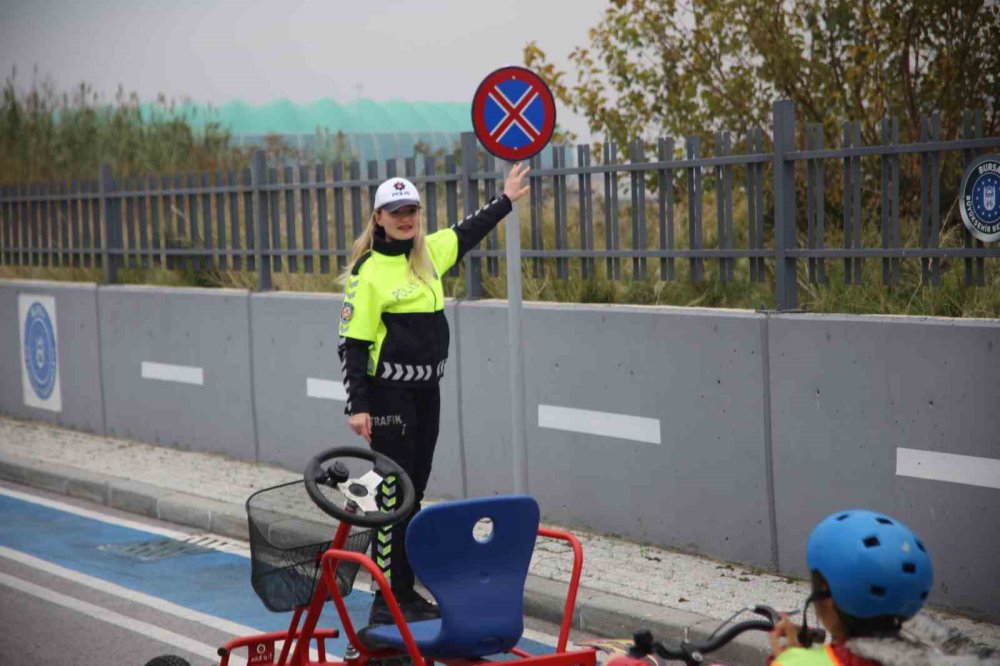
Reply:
x=168 y=660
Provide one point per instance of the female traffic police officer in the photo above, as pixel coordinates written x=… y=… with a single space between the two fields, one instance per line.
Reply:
x=393 y=348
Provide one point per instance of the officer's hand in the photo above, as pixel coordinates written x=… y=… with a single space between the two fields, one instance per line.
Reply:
x=514 y=186
x=361 y=424
x=784 y=636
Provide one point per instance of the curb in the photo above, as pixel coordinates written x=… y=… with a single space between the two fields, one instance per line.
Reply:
x=596 y=612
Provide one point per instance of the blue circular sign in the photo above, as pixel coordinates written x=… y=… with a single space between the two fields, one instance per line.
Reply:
x=40 y=350
x=513 y=113
x=981 y=198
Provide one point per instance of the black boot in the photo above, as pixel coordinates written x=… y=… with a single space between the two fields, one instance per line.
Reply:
x=416 y=608
x=379 y=613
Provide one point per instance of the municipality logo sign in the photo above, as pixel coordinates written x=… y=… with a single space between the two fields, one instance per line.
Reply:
x=981 y=198
x=39 y=352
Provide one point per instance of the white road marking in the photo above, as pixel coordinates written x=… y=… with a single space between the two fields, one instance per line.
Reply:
x=326 y=389
x=107 y=587
x=605 y=424
x=185 y=374
x=950 y=467
x=100 y=613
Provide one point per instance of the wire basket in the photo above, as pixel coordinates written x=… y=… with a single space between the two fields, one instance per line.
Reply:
x=288 y=536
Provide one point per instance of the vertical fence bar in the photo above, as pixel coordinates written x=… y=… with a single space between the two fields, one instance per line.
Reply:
x=786 y=284
x=820 y=205
x=373 y=178
x=635 y=178
x=613 y=264
x=74 y=223
x=431 y=193
x=665 y=192
x=560 y=211
x=179 y=217
x=155 y=202
x=206 y=222
x=856 y=202
x=222 y=243
x=339 y=219
x=724 y=205
x=98 y=225
x=6 y=242
x=492 y=240
x=694 y=186
x=259 y=179
x=64 y=226
x=935 y=200
x=925 y=192
x=894 y=199
x=727 y=176
x=752 y=176
x=87 y=187
x=470 y=193
x=274 y=210
x=811 y=203
x=884 y=192
x=586 y=231
x=305 y=205
x=253 y=213
x=106 y=192
x=31 y=208
x=451 y=198
x=193 y=233
x=291 y=242
x=129 y=258
x=847 y=209
x=44 y=244
x=536 y=197
x=322 y=218
x=142 y=200
x=234 y=223
x=356 y=221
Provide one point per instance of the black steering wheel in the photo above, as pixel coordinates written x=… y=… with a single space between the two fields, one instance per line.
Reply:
x=361 y=509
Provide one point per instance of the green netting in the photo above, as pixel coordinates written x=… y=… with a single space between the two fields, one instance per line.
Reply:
x=360 y=116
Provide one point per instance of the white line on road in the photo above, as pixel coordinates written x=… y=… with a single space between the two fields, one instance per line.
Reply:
x=324 y=388
x=185 y=374
x=225 y=626
x=950 y=467
x=100 y=613
x=605 y=424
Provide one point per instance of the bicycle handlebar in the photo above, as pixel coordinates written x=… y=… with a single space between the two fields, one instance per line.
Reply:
x=691 y=652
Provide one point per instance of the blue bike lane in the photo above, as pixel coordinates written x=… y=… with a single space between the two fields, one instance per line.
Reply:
x=208 y=581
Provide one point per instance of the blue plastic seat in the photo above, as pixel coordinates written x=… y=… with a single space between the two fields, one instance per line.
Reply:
x=478 y=585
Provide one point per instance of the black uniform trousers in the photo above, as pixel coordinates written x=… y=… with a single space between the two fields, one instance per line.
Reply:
x=405 y=425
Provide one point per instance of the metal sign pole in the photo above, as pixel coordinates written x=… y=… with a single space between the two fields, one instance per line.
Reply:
x=515 y=361
x=514 y=131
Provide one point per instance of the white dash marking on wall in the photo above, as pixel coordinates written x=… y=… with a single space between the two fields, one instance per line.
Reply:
x=950 y=467
x=325 y=389
x=605 y=424
x=185 y=374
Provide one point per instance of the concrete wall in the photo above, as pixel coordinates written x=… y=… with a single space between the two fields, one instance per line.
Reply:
x=851 y=397
x=78 y=354
x=185 y=329
x=659 y=424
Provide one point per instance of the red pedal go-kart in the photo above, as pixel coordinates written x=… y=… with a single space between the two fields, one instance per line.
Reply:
x=477 y=580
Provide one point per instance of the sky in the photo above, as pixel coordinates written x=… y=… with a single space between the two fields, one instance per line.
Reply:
x=302 y=50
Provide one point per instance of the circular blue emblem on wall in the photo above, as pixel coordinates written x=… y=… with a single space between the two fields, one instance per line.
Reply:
x=981 y=198
x=40 y=350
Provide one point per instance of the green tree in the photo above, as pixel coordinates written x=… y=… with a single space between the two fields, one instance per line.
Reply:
x=669 y=67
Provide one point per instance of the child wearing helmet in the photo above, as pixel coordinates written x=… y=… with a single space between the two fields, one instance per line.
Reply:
x=869 y=574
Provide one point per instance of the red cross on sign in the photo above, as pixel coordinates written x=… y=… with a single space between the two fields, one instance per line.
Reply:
x=513 y=113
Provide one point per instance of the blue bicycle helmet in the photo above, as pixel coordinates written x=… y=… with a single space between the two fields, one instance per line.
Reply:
x=873 y=564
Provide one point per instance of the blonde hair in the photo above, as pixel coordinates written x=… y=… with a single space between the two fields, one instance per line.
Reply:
x=419 y=261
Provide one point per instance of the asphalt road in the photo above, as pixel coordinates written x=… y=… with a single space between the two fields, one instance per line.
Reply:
x=80 y=583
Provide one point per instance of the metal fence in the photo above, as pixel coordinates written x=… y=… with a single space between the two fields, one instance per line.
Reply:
x=295 y=219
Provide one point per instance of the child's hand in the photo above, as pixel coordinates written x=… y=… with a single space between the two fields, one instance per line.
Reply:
x=784 y=636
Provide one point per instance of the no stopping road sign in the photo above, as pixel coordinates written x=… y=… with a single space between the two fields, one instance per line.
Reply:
x=513 y=113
